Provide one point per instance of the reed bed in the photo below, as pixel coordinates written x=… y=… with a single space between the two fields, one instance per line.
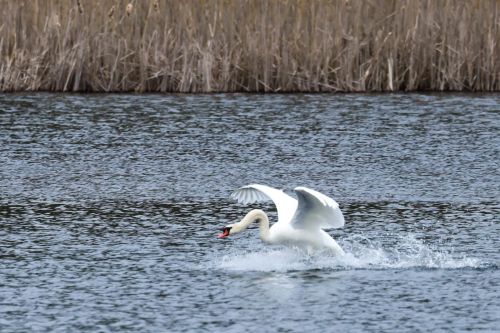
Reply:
x=249 y=45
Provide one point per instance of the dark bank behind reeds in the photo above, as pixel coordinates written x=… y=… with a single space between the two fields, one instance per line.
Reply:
x=252 y=45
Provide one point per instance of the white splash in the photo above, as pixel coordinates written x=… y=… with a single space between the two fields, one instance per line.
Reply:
x=361 y=253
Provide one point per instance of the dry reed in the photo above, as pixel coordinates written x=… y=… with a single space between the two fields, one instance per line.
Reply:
x=258 y=45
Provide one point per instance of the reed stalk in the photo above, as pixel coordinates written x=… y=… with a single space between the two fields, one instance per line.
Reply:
x=254 y=46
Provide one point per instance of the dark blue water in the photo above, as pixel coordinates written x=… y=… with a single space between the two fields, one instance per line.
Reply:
x=109 y=207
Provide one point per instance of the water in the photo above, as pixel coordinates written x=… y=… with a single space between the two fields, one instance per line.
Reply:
x=109 y=207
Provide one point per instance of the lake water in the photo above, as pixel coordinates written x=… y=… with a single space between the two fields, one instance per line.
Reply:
x=110 y=206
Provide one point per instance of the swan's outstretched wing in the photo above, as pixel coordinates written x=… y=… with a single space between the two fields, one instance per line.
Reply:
x=285 y=204
x=316 y=210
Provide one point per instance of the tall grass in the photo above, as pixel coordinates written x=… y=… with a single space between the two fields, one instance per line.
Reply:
x=249 y=45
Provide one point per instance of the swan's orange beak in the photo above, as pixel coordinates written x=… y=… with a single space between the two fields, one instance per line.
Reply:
x=225 y=232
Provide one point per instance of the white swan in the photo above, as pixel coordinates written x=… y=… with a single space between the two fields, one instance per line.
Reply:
x=300 y=223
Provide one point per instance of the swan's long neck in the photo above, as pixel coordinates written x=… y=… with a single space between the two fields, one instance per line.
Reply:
x=255 y=215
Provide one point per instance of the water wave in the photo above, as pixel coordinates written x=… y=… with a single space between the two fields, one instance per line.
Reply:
x=361 y=253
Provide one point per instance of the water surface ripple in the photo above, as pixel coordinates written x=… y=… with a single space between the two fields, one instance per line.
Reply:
x=109 y=206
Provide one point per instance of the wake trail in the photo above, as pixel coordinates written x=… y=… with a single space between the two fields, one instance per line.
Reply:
x=361 y=253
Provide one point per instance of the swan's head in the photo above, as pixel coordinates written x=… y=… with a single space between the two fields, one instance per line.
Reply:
x=255 y=215
x=226 y=231
x=232 y=229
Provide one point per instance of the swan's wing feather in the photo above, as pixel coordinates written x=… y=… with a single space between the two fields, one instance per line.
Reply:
x=250 y=194
x=316 y=210
x=285 y=204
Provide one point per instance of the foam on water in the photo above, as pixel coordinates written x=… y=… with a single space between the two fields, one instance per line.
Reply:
x=361 y=253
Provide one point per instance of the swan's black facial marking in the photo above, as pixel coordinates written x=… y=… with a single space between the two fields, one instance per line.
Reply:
x=225 y=232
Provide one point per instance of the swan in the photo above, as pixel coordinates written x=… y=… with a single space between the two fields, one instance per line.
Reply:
x=300 y=222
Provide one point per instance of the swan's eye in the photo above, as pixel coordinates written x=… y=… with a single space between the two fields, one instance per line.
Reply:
x=225 y=232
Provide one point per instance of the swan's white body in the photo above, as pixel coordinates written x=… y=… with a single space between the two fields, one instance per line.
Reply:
x=300 y=222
